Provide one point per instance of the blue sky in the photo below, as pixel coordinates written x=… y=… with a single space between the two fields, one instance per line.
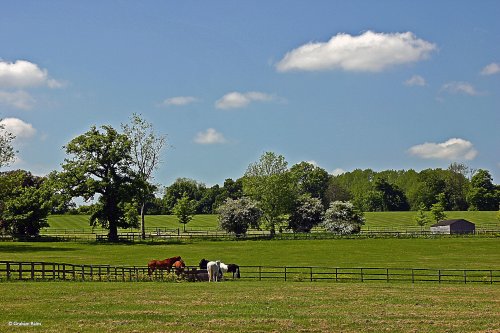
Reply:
x=343 y=84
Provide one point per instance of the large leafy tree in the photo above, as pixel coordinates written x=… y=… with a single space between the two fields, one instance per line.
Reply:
x=483 y=194
x=237 y=215
x=146 y=148
x=7 y=152
x=193 y=189
x=393 y=198
x=310 y=179
x=25 y=202
x=457 y=186
x=269 y=182
x=307 y=213
x=100 y=165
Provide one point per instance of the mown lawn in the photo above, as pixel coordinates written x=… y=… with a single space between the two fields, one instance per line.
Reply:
x=439 y=253
x=399 y=221
x=248 y=307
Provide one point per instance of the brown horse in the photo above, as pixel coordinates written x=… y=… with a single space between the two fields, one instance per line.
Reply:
x=179 y=266
x=162 y=264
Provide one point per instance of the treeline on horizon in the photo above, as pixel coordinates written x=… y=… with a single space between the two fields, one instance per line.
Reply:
x=457 y=188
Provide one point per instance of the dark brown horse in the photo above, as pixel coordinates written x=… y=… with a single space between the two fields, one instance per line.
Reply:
x=203 y=263
x=235 y=269
x=162 y=264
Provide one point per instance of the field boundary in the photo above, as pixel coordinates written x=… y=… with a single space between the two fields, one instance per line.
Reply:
x=47 y=271
x=223 y=236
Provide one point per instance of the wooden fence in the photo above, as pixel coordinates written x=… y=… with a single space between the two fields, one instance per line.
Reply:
x=46 y=271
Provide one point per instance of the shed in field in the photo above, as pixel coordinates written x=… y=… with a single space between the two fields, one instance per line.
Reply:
x=459 y=226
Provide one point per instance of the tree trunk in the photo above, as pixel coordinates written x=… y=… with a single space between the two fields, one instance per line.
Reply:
x=143 y=226
x=272 y=230
x=113 y=232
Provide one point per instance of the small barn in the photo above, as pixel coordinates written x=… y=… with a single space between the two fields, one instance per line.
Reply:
x=449 y=227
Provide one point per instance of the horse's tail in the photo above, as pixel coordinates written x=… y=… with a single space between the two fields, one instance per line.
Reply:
x=151 y=267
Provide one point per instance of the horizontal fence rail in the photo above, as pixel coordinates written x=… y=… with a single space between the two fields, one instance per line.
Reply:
x=46 y=271
x=175 y=234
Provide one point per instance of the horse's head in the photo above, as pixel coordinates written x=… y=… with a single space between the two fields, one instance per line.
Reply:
x=203 y=263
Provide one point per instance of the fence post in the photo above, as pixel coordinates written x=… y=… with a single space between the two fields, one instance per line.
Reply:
x=311 y=273
x=439 y=274
x=64 y=271
x=362 y=279
x=20 y=271
x=491 y=276
x=412 y=275
x=387 y=274
x=8 y=270
x=32 y=270
x=43 y=271
x=465 y=276
x=336 y=274
x=100 y=277
x=285 y=273
x=260 y=273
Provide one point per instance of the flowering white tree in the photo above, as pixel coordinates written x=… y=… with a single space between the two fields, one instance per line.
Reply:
x=238 y=215
x=342 y=218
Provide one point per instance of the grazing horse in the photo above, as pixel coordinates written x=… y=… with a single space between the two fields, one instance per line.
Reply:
x=235 y=269
x=230 y=268
x=161 y=264
x=213 y=270
x=178 y=266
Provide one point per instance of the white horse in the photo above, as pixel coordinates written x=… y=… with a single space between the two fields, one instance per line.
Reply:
x=213 y=269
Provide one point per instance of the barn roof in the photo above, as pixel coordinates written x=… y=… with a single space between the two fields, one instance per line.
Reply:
x=450 y=222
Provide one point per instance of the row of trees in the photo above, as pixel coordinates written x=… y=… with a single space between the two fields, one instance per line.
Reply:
x=456 y=188
x=114 y=169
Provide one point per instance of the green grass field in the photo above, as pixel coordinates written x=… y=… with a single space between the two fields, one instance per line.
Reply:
x=396 y=221
x=248 y=307
x=441 y=253
x=259 y=306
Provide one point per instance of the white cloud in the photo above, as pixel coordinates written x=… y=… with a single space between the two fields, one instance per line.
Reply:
x=209 y=137
x=179 y=101
x=491 y=69
x=370 y=51
x=460 y=88
x=235 y=99
x=453 y=149
x=19 y=128
x=19 y=99
x=338 y=171
x=416 y=80
x=24 y=74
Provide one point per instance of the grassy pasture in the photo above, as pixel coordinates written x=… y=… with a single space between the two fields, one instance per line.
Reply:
x=442 y=253
x=248 y=307
x=398 y=221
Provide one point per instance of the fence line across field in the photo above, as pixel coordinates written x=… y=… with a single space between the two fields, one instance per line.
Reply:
x=46 y=271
